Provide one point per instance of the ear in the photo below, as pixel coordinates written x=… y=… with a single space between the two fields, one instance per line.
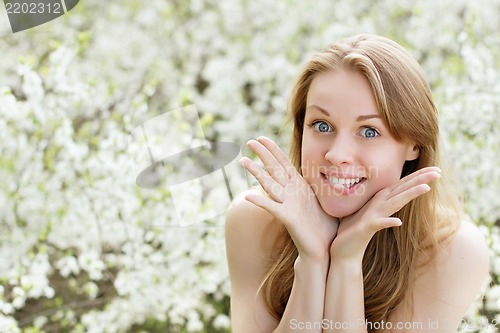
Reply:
x=412 y=153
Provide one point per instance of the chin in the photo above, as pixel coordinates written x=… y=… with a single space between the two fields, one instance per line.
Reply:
x=339 y=212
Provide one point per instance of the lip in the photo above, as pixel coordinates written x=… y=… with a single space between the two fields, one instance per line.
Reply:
x=341 y=189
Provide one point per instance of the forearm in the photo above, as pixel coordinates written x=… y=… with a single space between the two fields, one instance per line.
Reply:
x=344 y=298
x=305 y=307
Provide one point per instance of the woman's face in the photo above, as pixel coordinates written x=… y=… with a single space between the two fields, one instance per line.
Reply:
x=348 y=154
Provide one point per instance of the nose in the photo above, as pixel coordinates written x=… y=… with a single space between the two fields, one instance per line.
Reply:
x=341 y=151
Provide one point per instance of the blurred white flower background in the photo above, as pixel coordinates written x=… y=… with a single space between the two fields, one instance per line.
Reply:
x=84 y=249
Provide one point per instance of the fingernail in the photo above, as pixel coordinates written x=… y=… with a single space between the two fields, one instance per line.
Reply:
x=241 y=161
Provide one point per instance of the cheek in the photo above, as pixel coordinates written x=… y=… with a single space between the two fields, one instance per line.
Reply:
x=307 y=167
x=380 y=163
x=389 y=178
x=388 y=172
x=310 y=157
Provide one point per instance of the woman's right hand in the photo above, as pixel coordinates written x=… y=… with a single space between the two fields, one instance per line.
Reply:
x=291 y=200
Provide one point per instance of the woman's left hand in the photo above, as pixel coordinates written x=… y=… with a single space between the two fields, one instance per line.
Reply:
x=355 y=231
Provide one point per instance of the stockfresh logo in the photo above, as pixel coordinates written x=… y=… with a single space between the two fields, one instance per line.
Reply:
x=26 y=14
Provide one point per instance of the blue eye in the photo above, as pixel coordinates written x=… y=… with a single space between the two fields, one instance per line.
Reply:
x=322 y=126
x=369 y=132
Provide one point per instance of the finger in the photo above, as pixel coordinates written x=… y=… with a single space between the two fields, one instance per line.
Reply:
x=397 y=202
x=425 y=178
x=265 y=203
x=271 y=186
x=271 y=164
x=277 y=211
x=279 y=155
x=421 y=172
x=386 y=222
x=424 y=175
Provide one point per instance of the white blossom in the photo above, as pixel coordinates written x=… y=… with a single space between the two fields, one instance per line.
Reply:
x=74 y=220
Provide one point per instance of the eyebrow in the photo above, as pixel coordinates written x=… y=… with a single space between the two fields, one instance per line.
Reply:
x=360 y=118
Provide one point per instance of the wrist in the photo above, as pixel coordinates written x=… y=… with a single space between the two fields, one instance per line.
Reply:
x=311 y=264
x=350 y=266
x=318 y=256
x=346 y=253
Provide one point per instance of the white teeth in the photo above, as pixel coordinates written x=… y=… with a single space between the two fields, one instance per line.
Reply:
x=343 y=181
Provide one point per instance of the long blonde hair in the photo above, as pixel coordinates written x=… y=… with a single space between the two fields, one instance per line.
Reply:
x=405 y=104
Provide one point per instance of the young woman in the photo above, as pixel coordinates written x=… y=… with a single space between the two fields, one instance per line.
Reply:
x=361 y=231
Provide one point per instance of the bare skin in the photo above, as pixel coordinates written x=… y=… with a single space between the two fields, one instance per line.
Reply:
x=439 y=294
x=332 y=225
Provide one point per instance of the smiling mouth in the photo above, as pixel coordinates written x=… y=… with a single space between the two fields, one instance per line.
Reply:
x=346 y=182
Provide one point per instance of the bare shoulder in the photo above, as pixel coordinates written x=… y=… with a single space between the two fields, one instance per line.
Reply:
x=467 y=252
x=249 y=228
x=462 y=264
x=446 y=288
x=250 y=231
x=466 y=263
